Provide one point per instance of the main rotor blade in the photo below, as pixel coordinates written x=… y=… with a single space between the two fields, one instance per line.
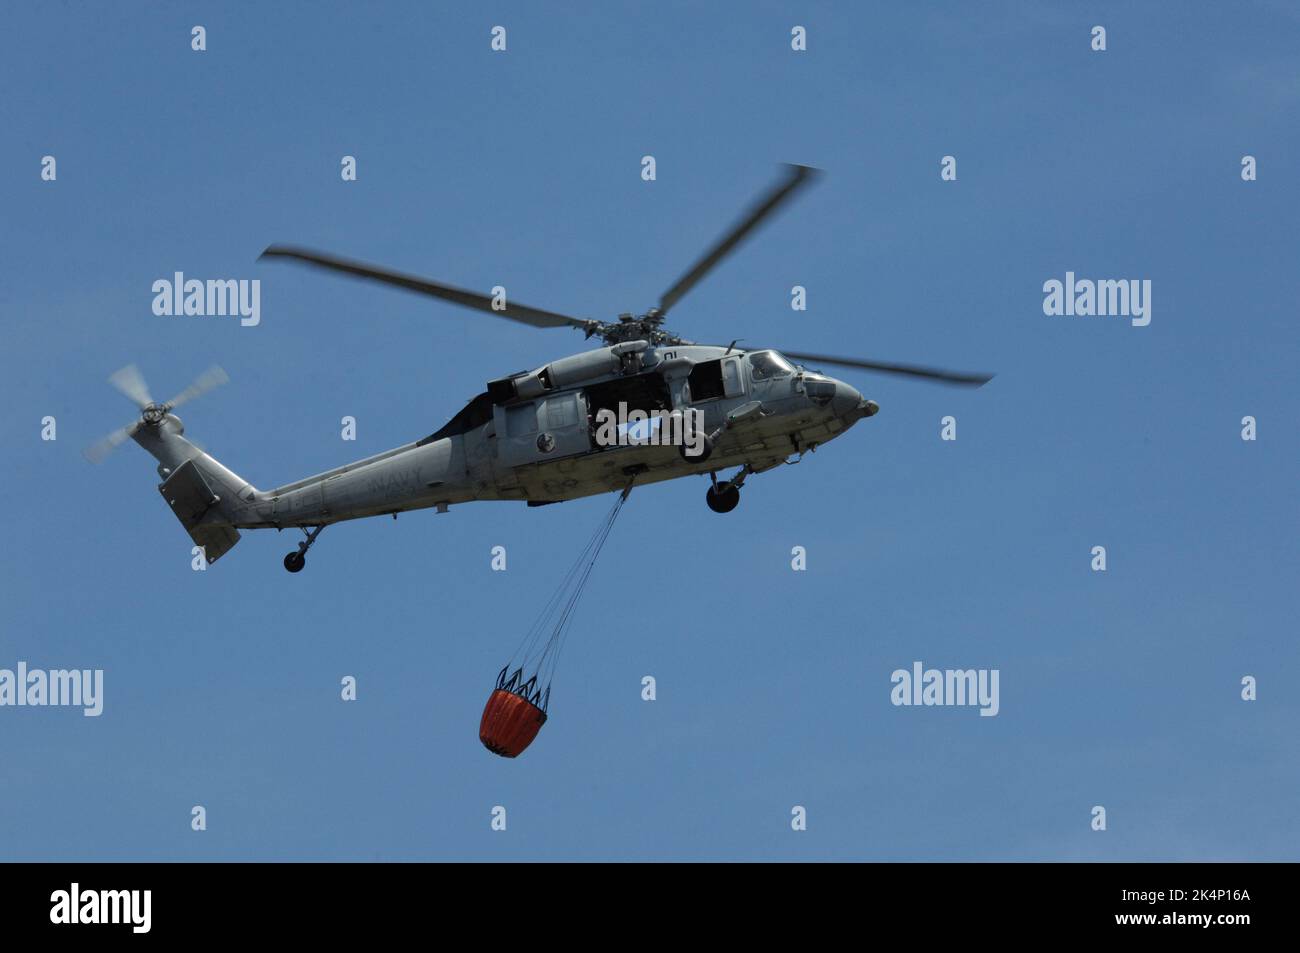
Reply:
x=213 y=377
x=470 y=299
x=131 y=383
x=796 y=175
x=98 y=451
x=908 y=370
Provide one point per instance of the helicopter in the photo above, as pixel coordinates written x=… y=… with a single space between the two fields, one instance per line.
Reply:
x=533 y=436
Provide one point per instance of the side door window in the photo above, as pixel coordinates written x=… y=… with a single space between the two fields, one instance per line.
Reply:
x=521 y=420
x=733 y=382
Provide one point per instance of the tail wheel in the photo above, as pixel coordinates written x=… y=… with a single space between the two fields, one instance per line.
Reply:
x=294 y=561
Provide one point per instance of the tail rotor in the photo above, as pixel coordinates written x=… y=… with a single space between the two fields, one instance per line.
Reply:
x=131 y=384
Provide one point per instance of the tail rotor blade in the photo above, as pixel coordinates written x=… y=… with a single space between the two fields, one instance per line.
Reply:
x=130 y=382
x=96 y=452
x=210 y=379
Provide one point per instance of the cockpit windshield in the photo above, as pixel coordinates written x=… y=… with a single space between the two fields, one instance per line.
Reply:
x=765 y=364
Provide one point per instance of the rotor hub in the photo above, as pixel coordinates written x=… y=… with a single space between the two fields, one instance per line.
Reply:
x=629 y=327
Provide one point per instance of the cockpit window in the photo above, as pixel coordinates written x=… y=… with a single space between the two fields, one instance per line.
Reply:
x=765 y=364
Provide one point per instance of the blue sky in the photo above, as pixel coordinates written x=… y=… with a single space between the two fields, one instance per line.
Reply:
x=222 y=688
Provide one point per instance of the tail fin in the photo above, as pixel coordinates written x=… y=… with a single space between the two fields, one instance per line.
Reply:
x=198 y=508
x=206 y=496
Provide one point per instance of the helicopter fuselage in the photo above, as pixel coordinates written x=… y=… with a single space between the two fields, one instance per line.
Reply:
x=532 y=437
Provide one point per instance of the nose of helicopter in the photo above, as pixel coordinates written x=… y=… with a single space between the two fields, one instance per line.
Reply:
x=846 y=401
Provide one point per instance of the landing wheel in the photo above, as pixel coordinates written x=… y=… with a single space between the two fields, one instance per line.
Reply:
x=295 y=560
x=723 y=499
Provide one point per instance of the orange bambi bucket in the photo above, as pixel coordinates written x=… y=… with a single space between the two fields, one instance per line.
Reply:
x=510 y=723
